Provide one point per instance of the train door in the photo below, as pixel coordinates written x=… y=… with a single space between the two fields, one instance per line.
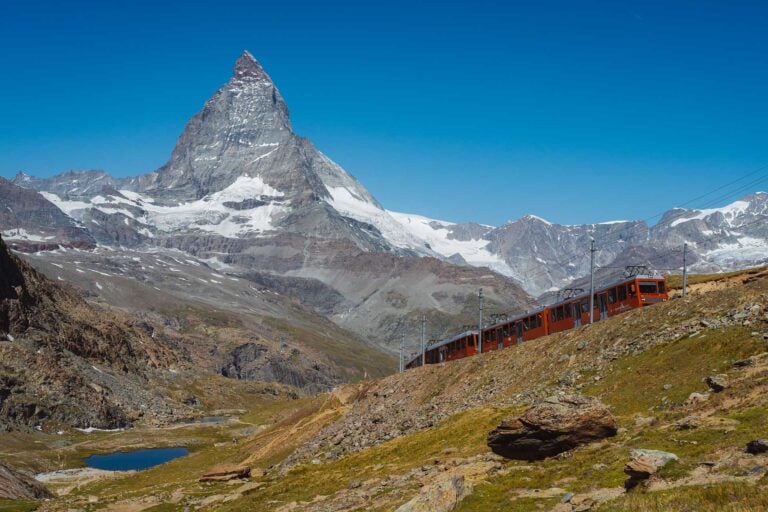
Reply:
x=519 y=332
x=576 y=314
x=603 y=302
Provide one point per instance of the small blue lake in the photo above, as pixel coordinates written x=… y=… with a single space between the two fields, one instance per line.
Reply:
x=136 y=459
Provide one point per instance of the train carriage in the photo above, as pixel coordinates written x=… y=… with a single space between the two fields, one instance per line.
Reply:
x=631 y=293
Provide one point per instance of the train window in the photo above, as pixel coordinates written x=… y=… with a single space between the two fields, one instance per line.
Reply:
x=622 y=292
x=661 y=286
x=632 y=290
x=551 y=315
x=585 y=306
x=611 y=295
x=568 y=310
x=538 y=320
x=647 y=286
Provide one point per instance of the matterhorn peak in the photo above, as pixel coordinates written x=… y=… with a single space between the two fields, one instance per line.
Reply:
x=248 y=67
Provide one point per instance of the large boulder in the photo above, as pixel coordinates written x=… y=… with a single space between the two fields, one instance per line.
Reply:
x=553 y=426
x=15 y=485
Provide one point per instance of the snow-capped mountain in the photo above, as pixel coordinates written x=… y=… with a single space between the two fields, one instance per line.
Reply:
x=243 y=193
x=241 y=188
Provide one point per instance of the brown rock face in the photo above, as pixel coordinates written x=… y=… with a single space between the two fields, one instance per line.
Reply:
x=18 y=486
x=551 y=427
x=225 y=472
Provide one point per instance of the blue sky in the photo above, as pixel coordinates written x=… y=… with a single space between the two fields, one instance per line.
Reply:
x=574 y=111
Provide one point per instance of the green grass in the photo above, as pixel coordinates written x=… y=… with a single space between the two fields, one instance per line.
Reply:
x=724 y=497
x=635 y=384
x=18 y=505
x=675 y=282
x=466 y=432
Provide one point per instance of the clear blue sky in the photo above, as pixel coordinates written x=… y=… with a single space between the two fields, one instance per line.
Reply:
x=475 y=110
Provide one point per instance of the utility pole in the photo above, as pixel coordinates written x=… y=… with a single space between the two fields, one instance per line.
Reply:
x=402 y=347
x=423 y=345
x=592 y=281
x=685 y=268
x=480 y=322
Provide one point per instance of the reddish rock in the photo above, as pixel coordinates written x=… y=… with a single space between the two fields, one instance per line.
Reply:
x=551 y=427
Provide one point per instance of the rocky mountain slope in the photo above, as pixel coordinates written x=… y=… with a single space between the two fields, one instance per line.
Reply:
x=683 y=382
x=223 y=321
x=544 y=256
x=33 y=223
x=67 y=362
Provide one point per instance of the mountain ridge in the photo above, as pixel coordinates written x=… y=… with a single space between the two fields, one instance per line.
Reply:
x=242 y=191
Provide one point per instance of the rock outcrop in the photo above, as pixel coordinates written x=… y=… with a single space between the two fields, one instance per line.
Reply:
x=15 y=485
x=757 y=446
x=551 y=427
x=67 y=361
x=717 y=383
x=226 y=472
x=643 y=464
x=440 y=496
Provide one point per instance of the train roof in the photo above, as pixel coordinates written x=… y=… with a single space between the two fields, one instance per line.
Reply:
x=582 y=295
x=520 y=316
x=453 y=338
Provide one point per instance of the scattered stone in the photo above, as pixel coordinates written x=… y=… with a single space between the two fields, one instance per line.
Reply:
x=717 y=383
x=743 y=363
x=581 y=345
x=667 y=387
x=645 y=421
x=552 y=426
x=645 y=463
x=567 y=498
x=757 y=446
x=225 y=472
x=697 y=398
x=688 y=423
x=441 y=496
x=15 y=485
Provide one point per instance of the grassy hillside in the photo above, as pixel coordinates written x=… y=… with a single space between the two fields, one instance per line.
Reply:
x=376 y=444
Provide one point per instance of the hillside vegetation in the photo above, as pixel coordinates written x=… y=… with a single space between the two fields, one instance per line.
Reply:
x=376 y=445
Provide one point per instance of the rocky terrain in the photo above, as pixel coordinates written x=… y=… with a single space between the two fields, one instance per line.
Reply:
x=657 y=409
x=15 y=485
x=64 y=361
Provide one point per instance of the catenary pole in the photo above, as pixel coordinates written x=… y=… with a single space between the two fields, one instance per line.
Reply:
x=592 y=281
x=480 y=321
x=685 y=268
x=423 y=346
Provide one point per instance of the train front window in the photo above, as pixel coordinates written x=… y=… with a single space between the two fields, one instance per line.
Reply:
x=648 y=287
x=661 y=286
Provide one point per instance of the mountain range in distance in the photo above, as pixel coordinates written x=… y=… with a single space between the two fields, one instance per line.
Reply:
x=243 y=195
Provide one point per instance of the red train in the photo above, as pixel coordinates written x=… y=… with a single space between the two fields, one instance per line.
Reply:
x=612 y=300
